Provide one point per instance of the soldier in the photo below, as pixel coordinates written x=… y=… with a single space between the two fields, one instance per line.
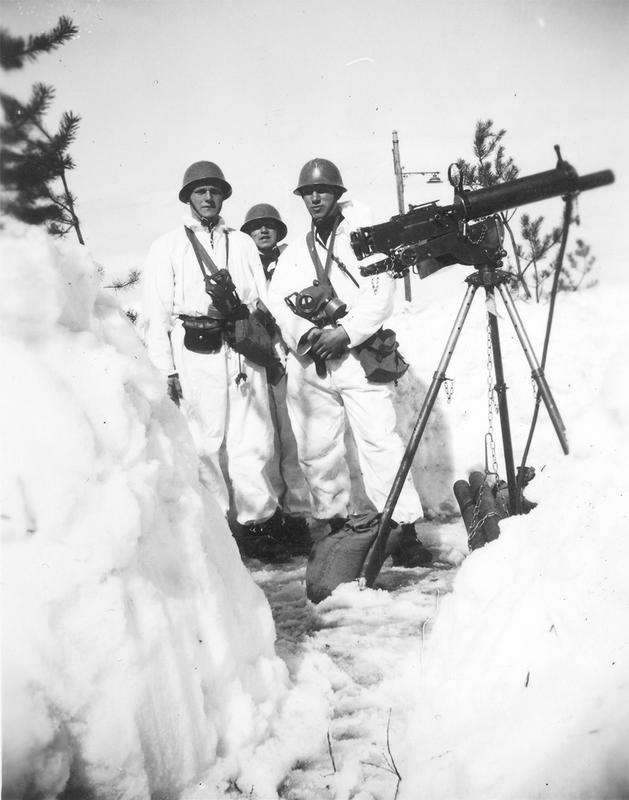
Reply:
x=325 y=376
x=267 y=229
x=225 y=393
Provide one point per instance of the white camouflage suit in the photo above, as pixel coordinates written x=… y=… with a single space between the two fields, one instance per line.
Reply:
x=217 y=408
x=285 y=473
x=316 y=405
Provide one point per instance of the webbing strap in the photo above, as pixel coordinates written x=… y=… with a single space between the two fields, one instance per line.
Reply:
x=323 y=273
x=203 y=257
x=310 y=238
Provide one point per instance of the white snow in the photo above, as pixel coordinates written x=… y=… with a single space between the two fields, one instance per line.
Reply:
x=137 y=651
x=525 y=690
x=140 y=657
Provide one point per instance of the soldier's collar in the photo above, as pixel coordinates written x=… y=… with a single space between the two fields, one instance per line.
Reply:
x=193 y=222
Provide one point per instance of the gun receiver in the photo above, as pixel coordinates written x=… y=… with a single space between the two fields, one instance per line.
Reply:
x=431 y=236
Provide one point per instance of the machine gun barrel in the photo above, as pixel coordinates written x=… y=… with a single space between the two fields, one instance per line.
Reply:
x=442 y=234
x=531 y=189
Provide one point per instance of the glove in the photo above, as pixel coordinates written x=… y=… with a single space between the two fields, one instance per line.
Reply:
x=174 y=388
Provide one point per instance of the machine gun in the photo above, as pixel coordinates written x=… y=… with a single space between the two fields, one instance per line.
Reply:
x=469 y=231
x=431 y=236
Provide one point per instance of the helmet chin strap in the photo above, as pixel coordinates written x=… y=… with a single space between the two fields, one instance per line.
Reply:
x=206 y=223
x=323 y=227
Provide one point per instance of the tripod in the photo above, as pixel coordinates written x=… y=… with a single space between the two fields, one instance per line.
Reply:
x=489 y=276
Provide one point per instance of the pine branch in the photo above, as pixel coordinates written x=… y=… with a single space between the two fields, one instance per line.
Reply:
x=11 y=50
x=14 y=50
x=11 y=135
x=40 y=101
x=75 y=219
x=30 y=157
x=27 y=170
x=57 y=230
x=516 y=255
x=480 y=138
x=66 y=163
x=132 y=278
x=21 y=117
x=13 y=112
x=67 y=131
x=493 y=166
x=31 y=214
x=63 y=32
x=58 y=200
x=41 y=98
x=468 y=172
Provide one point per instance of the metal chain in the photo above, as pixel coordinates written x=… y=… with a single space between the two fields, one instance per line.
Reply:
x=491 y=476
x=481 y=235
x=477 y=524
x=499 y=496
x=477 y=520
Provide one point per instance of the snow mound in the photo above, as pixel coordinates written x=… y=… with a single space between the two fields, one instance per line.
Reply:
x=525 y=682
x=138 y=654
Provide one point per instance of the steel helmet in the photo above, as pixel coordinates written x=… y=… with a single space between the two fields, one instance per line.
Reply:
x=203 y=172
x=264 y=211
x=319 y=171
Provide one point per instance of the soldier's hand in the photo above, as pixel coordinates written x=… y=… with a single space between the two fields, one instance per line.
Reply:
x=307 y=340
x=174 y=388
x=331 y=343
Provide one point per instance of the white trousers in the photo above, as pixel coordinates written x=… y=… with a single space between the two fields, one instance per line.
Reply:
x=285 y=472
x=220 y=411
x=317 y=408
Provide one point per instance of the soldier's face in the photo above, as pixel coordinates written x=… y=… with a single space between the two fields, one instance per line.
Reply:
x=206 y=201
x=264 y=234
x=320 y=201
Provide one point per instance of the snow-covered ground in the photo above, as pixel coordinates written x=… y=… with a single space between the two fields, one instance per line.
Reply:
x=139 y=655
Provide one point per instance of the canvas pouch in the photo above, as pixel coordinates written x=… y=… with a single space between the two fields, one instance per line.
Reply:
x=380 y=357
x=250 y=337
x=202 y=334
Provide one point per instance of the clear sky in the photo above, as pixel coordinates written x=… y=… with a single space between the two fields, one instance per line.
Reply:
x=261 y=87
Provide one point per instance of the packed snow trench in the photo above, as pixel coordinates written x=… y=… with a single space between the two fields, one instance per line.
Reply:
x=363 y=646
x=142 y=659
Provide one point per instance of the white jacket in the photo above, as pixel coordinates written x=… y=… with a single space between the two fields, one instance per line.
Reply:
x=369 y=304
x=173 y=282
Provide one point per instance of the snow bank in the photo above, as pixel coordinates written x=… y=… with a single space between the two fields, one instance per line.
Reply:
x=138 y=654
x=524 y=686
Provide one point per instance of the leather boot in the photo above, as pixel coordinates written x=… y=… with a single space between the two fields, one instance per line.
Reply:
x=295 y=535
x=261 y=540
x=408 y=551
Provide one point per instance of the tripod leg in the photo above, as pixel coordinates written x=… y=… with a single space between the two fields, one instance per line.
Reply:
x=536 y=371
x=375 y=557
x=505 y=428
